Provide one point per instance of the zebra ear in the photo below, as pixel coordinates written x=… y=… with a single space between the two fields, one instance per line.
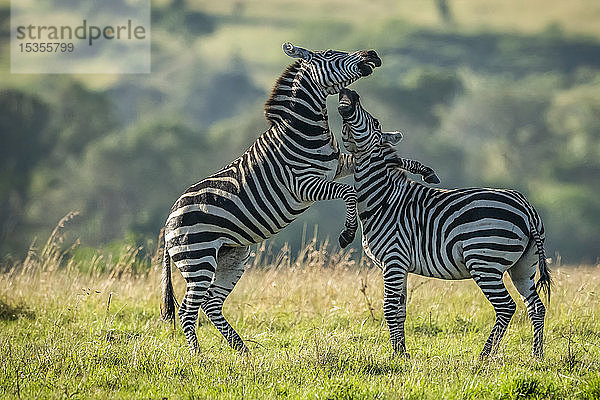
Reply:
x=391 y=137
x=297 y=52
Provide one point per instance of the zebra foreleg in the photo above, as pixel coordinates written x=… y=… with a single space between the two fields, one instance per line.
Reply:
x=493 y=288
x=394 y=306
x=231 y=263
x=315 y=189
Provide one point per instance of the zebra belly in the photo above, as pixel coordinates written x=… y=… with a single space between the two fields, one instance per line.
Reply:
x=203 y=223
x=452 y=269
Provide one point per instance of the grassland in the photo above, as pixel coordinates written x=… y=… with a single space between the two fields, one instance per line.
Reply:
x=88 y=327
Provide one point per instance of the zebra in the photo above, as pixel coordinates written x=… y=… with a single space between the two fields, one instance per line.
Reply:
x=408 y=227
x=290 y=166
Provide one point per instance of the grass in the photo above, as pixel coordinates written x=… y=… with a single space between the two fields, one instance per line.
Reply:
x=315 y=329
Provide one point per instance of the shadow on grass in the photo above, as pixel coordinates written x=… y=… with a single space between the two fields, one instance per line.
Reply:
x=361 y=365
x=376 y=369
x=10 y=312
x=427 y=329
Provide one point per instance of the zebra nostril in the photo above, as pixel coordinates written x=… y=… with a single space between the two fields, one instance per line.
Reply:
x=365 y=69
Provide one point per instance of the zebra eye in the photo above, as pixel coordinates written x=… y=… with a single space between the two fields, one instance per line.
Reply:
x=328 y=53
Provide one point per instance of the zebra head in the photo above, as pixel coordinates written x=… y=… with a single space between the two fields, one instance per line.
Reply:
x=331 y=69
x=361 y=132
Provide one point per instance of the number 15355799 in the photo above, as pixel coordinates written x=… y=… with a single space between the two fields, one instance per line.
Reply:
x=48 y=47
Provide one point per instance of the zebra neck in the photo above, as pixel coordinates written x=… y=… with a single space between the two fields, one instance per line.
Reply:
x=368 y=174
x=297 y=105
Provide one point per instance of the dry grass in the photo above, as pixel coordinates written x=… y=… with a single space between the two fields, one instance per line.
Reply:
x=314 y=326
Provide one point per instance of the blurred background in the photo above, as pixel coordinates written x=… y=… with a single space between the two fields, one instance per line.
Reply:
x=498 y=93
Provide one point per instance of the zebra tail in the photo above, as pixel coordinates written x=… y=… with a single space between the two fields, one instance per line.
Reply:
x=169 y=302
x=545 y=282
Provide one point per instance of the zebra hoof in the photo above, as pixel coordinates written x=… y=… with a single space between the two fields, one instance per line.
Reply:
x=240 y=347
x=431 y=178
x=195 y=352
x=400 y=351
x=539 y=354
x=346 y=237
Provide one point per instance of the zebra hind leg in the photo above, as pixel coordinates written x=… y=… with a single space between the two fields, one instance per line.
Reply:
x=231 y=262
x=491 y=284
x=394 y=306
x=523 y=277
x=198 y=277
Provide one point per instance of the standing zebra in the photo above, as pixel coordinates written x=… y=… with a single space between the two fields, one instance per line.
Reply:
x=293 y=164
x=448 y=234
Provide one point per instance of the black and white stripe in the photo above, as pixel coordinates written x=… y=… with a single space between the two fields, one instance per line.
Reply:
x=290 y=166
x=448 y=234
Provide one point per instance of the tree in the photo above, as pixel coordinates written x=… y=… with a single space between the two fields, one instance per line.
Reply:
x=126 y=181
x=24 y=143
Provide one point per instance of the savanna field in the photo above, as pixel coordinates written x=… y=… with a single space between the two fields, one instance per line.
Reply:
x=88 y=326
x=489 y=93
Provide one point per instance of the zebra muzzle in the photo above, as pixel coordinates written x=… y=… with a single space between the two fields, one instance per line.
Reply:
x=345 y=110
x=370 y=61
x=346 y=102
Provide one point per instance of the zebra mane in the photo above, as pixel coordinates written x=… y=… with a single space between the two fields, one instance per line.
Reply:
x=394 y=163
x=286 y=81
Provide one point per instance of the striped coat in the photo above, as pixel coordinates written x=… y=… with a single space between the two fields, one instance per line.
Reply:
x=473 y=233
x=290 y=166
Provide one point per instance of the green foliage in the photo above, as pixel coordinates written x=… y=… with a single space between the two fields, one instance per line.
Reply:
x=80 y=117
x=591 y=388
x=178 y=19
x=415 y=98
x=526 y=388
x=161 y=158
x=491 y=53
x=227 y=94
x=24 y=121
x=573 y=119
x=496 y=106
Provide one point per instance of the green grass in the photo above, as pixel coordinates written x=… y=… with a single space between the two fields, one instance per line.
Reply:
x=315 y=330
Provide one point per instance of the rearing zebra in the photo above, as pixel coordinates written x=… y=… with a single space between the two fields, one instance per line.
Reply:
x=290 y=166
x=448 y=234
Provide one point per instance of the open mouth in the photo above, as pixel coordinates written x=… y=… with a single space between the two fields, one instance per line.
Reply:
x=345 y=110
x=345 y=103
